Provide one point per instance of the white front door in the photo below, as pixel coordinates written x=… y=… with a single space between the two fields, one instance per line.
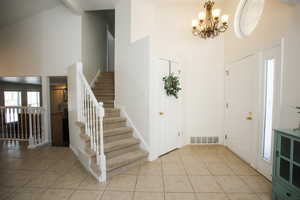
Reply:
x=241 y=87
x=269 y=107
x=169 y=111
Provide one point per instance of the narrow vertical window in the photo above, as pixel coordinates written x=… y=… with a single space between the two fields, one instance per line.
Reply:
x=12 y=99
x=268 y=114
x=33 y=99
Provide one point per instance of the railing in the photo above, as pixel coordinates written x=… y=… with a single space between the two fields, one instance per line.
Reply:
x=22 y=124
x=91 y=114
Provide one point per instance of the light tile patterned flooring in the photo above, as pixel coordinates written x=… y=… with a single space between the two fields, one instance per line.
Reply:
x=190 y=173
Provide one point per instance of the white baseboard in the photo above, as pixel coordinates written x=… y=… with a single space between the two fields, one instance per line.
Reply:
x=92 y=83
x=136 y=133
x=74 y=150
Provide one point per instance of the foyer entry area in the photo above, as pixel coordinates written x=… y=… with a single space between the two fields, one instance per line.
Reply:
x=189 y=173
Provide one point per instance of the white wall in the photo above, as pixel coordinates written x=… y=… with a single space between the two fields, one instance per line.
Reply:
x=165 y=32
x=94 y=43
x=45 y=44
x=132 y=71
x=279 y=20
x=201 y=62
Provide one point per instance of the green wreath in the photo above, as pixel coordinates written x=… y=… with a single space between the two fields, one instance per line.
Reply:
x=172 y=85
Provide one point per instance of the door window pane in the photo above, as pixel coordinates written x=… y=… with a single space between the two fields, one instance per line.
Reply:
x=284 y=169
x=12 y=98
x=285 y=146
x=33 y=99
x=296 y=153
x=296 y=176
x=268 y=118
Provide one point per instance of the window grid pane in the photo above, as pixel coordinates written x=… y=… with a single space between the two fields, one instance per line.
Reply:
x=33 y=99
x=269 y=98
x=12 y=98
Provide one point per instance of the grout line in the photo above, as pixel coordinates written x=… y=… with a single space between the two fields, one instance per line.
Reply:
x=188 y=177
x=163 y=178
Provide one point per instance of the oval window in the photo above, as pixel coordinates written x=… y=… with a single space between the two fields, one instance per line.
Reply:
x=247 y=16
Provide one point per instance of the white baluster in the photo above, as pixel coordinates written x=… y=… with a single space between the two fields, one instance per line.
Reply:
x=18 y=123
x=10 y=125
x=38 y=134
x=94 y=127
x=22 y=125
x=5 y=120
x=34 y=127
x=2 y=124
x=31 y=140
x=97 y=135
x=26 y=123
x=42 y=126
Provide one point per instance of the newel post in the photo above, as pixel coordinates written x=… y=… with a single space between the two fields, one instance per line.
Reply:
x=79 y=93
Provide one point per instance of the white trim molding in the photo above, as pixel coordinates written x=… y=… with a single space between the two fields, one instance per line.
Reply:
x=136 y=133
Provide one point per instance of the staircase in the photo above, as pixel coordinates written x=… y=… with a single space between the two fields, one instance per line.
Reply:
x=121 y=149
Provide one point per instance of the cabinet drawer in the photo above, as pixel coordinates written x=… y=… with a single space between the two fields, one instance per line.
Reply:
x=282 y=193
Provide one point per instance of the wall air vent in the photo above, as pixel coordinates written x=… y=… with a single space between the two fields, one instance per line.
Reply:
x=205 y=140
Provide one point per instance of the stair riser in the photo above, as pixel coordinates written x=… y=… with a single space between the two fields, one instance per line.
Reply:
x=117 y=137
x=122 y=151
x=108 y=97
x=108 y=126
x=123 y=169
x=108 y=106
x=112 y=114
x=104 y=93
x=120 y=165
x=99 y=85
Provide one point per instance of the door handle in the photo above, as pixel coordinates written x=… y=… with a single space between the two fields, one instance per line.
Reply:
x=249 y=117
x=161 y=113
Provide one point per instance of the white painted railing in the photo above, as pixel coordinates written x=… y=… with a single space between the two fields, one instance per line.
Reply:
x=91 y=114
x=23 y=124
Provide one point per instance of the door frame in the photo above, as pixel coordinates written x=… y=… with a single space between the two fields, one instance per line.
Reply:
x=252 y=156
x=259 y=105
x=155 y=108
x=277 y=107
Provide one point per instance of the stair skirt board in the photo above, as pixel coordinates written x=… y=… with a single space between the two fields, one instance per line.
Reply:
x=205 y=140
x=136 y=133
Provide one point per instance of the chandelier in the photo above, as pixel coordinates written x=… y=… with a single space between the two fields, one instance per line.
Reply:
x=209 y=24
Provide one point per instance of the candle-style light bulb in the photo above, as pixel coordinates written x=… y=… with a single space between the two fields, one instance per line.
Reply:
x=216 y=13
x=201 y=15
x=224 y=19
x=195 y=23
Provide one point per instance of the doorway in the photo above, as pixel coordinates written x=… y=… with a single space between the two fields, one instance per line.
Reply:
x=269 y=107
x=252 y=93
x=169 y=121
x=59 y=111
x=241 y=98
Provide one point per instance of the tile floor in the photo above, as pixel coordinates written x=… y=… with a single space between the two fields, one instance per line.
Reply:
x=190 y=173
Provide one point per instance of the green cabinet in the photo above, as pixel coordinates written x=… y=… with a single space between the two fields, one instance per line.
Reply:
x=286 y=167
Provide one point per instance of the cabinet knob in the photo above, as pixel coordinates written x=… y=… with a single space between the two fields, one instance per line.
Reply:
x=161 y=113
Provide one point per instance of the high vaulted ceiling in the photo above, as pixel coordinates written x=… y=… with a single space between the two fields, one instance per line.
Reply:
x=96 y=4
x=12 y=11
